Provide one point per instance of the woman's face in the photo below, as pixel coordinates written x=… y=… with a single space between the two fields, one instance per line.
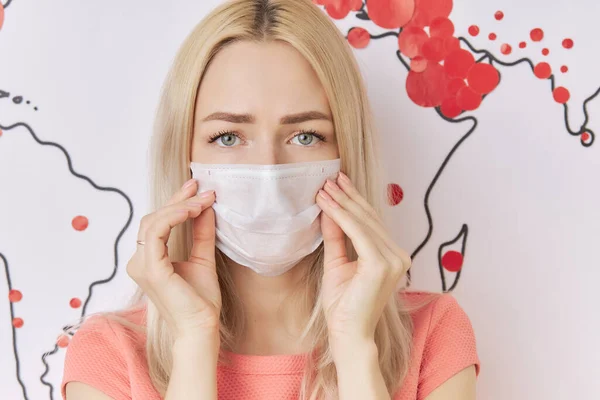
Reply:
x=261 y=103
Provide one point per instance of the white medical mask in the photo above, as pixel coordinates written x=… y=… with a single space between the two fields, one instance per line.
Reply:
x=266 y=215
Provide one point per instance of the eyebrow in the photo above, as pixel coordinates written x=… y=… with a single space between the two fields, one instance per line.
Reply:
x=250 y=119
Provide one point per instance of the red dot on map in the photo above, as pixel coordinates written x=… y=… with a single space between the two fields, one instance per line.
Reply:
x=473 y=30
x=454 y=85
x=545 y=51
x=427 y=88
x=492 y=36
x=567 y=43
x=452 y=261
x=358 y=38
x=17 y=322
x=506 y=49
x=75 y=302
x=418 y=64
x=395 y=194
x=356 y=5
x=499 y=15
x=585 y=136
x=450 y=108
x=564 y=69
x=536 y=34
x=80 y=223
x=561 y=95
x=411 y=40
x=483 y=78
x=441 y=26
x=458 y=63
x=467 y=99
x=542 y=70
x=63 y=341
x=14 y=296
x=433 y=49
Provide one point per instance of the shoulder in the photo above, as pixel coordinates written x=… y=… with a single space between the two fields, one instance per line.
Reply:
x=443 y=339
x=100 y=352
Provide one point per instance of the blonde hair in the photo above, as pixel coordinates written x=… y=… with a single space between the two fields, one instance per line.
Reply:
x=306 y=28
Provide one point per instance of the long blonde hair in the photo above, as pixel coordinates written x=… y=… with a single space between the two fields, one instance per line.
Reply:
x=305 y=27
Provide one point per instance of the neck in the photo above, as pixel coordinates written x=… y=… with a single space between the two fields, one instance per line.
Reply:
x=274 y=310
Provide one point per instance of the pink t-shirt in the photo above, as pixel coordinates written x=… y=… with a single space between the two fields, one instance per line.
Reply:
x=111 y=358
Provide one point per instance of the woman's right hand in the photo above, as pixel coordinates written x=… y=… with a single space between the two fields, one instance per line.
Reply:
x=186 y=294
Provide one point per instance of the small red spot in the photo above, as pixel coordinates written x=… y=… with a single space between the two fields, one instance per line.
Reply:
x=522 y=45
x=450 y=108
x=395 y=194
x=391 y=14
x=499 y=15
x=536 y=34
x=454 y=85
x=473 y=30
x=567 y=43
x=545 y=51
x=411 y=40
x=441 y=26
x=564 y=69
x=585 y=136
x=80 y=223
x=358 y=38
x=356 y=5
x=492 y=36
x=418 y=64
x=427 y=88
x=14 y=296
x=75 y=302
x=561 y=95
x=427 y=10
x=337 y=9
x=506 y=49
x=0 y=129
x=542 y=70
x=452 y=261
x=17 y=322
x=433 y=49
x=1 y=16
x=483 y=78
x=458 y=63
x=468 y=99
x=63 y=341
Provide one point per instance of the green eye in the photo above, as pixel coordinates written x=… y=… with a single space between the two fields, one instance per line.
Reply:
x=305 y=138
x=227 y=140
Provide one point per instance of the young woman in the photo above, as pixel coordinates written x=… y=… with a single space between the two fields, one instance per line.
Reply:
x=264 y=273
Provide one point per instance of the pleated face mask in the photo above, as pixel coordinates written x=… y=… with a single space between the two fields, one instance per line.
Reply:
x=266 y=215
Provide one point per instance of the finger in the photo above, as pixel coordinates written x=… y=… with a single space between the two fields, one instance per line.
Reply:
x=364 y=213
x=188 y=189
x=334 y=243
x=364 y=245
x=203 y=236
x=191 y=203
x=346 y=184
x=157 y=235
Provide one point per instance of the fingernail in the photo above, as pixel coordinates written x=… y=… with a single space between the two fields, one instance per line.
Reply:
x=332 y=185
x=188 y=183
x=208 y=193
x=342 y=177
x=329 y=199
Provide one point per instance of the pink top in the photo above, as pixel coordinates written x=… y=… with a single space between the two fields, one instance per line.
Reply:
x=111 y=358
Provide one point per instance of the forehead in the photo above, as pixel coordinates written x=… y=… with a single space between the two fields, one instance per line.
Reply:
x=251 y=77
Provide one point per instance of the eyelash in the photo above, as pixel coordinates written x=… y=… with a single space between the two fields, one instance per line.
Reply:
x=215 y=136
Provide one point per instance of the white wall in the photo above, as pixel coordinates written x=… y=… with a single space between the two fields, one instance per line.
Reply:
x=524 y=187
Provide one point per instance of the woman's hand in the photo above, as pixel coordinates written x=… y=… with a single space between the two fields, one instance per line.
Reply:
x=355 y=293
x=186 y=294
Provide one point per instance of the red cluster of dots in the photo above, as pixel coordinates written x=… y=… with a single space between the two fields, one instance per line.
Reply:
x=542 y=70
x=79 y=223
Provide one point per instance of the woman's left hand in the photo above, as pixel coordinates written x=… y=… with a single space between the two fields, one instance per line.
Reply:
x=355 y=292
